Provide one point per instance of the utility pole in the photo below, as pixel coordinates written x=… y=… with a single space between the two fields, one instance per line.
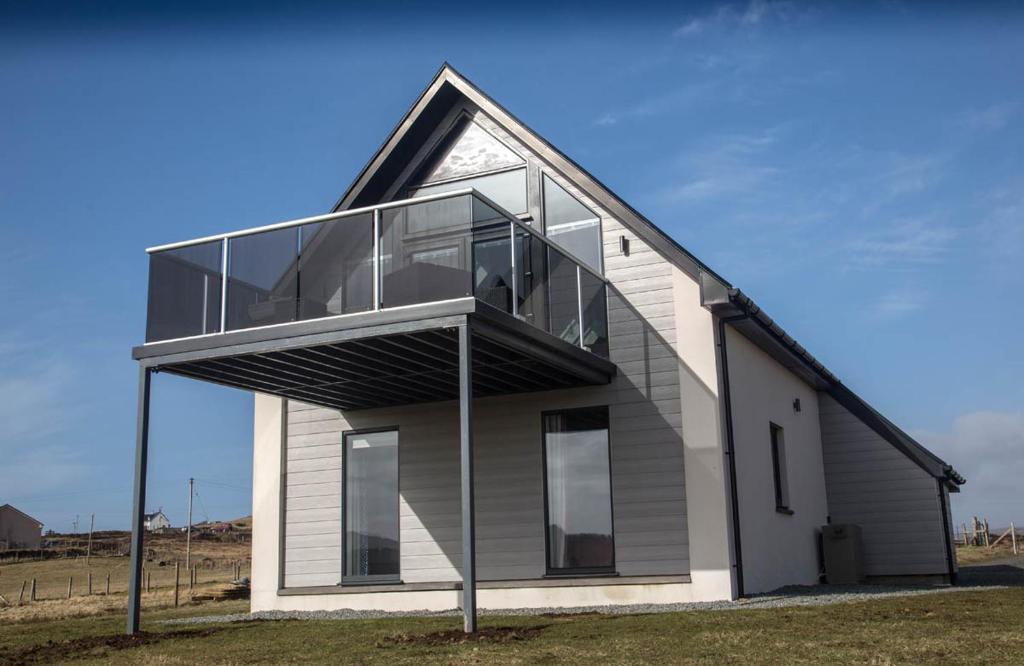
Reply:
x=76 y=523
x=188 y=532
x=88 y=548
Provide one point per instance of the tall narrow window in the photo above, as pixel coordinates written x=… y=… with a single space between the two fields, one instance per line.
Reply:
x=577 y=475
x=371 y=507
x=572 y=225
x=779 y=469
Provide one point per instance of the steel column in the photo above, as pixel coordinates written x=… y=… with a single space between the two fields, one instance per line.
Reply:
x=139 y=499
x=466 y=466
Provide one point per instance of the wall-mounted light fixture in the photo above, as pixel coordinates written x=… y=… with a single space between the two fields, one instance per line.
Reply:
x=796 y=405
x=624 y=246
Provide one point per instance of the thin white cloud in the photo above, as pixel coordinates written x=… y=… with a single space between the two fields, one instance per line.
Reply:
x=732 y=16
x=899 y=303
x=903 y=244
x=732 y=163
x=988 y=449
x=990 y=118
x=33 y=402
x=670 y=102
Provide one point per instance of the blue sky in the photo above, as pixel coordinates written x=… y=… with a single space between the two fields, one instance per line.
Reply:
x=857 y=169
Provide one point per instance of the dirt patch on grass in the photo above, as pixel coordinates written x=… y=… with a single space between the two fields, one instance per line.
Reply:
x=94 y=646
x=570 y=616
x=496 y=635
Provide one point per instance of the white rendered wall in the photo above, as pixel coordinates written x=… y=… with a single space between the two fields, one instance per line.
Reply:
x=268 y=446
x=778 y=549
x=707 y=482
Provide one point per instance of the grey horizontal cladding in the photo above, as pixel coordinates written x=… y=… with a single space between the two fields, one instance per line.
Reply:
x=294 y=580
x=871 y=483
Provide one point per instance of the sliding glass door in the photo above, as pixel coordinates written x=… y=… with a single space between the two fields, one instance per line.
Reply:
x=370 y=467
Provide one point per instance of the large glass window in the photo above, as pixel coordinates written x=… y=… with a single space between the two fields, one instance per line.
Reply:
x=371 y=506
x=506 y=188
x=572 y=225
x=184 y=292
x=577 y=470
x=425 y=252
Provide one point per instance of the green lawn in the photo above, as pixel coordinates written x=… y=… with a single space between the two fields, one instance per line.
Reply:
x=957 y=627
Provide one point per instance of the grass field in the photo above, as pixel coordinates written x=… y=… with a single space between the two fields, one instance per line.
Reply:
x=214 y=558
x=949 y=628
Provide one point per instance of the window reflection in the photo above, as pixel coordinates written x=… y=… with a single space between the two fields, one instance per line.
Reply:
x=578 y=486
x=571 y=224
x=371 y=505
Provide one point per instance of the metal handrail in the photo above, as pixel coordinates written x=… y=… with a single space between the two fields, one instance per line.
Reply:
x=353 y=212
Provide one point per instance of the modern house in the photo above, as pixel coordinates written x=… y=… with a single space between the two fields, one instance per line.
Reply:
x=485 y=380
x=18 y=529
x=155 y=521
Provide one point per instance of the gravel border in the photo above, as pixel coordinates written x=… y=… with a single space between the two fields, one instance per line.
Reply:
x=794 y=596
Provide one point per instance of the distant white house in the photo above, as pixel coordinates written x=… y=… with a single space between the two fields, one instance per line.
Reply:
x=155 y=521
x=18 y=530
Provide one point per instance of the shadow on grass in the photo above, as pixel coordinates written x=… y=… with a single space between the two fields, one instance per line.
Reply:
x=96 y=646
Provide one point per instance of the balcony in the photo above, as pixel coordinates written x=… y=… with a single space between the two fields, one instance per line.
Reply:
x=358 y=309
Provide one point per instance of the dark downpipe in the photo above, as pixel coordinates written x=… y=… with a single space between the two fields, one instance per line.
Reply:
x=731 y=451
x=945 y=531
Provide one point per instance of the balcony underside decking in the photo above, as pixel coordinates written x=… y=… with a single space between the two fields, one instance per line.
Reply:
x=385 y=358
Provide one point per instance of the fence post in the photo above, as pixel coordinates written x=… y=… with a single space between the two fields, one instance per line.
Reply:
x=108 y=584
x=1013 y=538
x=987 y=537
x=176 y=565
x=32 y=594
x=70 y=579
x=21 y=595
x=90 y=583
x=149 y=581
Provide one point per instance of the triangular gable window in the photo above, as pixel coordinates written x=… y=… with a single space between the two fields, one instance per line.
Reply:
x=469 y=156
x=467 y=150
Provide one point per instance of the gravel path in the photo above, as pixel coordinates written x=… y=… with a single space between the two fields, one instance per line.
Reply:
x=973 y=579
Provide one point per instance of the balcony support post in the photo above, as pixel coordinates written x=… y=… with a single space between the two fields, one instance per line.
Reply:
x=466 y=467
x=139 y=499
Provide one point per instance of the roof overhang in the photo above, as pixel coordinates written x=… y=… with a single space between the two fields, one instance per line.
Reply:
x=740 y=311
x=449 y=88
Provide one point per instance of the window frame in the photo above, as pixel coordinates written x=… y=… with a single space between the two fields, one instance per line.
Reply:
x=379 y=579
x=575 y=572
x=780 y=470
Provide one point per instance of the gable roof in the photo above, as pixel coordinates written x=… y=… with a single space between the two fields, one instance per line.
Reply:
x=21 y=513
x=449 y=87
